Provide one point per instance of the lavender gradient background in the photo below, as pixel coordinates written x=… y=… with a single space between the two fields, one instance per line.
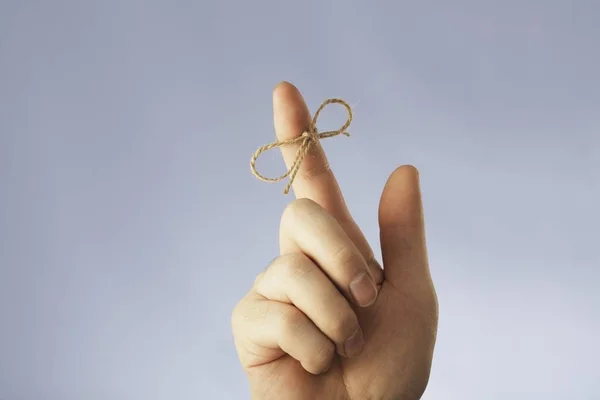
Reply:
x=130 y=224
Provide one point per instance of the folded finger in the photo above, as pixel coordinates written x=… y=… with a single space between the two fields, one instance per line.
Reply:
x=307 y=228
x=296 y=279
x=276 y=326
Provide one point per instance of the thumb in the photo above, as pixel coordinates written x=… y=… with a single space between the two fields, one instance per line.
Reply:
x=402 y=230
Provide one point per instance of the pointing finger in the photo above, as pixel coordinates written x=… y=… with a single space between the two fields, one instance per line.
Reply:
x=314 y=180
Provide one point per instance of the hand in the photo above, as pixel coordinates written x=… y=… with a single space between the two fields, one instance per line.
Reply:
x=324 y=320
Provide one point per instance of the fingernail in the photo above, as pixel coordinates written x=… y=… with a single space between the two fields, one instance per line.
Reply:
x=363 y=290
x=354 y=344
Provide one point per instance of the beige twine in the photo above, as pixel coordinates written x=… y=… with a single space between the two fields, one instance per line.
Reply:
x=307 y=139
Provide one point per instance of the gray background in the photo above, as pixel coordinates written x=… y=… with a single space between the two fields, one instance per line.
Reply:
x=130 y=224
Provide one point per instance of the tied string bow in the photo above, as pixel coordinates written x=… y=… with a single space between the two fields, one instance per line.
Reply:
x=309 y=138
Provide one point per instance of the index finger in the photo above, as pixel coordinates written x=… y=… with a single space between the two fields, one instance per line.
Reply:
x=314 y=180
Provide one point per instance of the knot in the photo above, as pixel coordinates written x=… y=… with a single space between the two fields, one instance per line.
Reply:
x=308 y=138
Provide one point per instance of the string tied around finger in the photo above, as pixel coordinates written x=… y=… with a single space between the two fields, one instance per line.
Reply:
x=309 y=138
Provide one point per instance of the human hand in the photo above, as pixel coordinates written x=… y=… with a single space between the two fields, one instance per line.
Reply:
x=325 y=320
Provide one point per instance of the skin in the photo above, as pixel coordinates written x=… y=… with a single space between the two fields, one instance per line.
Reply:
x=324 y=320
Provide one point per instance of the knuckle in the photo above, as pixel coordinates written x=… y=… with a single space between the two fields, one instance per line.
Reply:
x=294 y=266
x=293 y=322
x=298 y=207
x=234 y=319
x=282 y=273
x=409 y=171
x=258 y=278
x=238 y=317
x=347 y=257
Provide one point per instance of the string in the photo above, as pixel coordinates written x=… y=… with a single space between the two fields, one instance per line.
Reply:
x=309 y=138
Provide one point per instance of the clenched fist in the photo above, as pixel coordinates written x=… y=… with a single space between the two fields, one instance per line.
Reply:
x=325 y=320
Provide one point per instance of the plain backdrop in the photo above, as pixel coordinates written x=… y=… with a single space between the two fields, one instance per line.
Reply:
x=130 y=224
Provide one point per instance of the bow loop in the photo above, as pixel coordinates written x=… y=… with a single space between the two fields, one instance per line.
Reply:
x=308 y=138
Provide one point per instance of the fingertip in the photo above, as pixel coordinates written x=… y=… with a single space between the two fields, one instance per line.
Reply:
x=315 y=370
x=405 y=179
x=405 y=173
x=280 y=84
x=291 y=115
x=322 y=363
x=285 y=91
x=326 y=369
x=401 y=197
x=354 y=344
